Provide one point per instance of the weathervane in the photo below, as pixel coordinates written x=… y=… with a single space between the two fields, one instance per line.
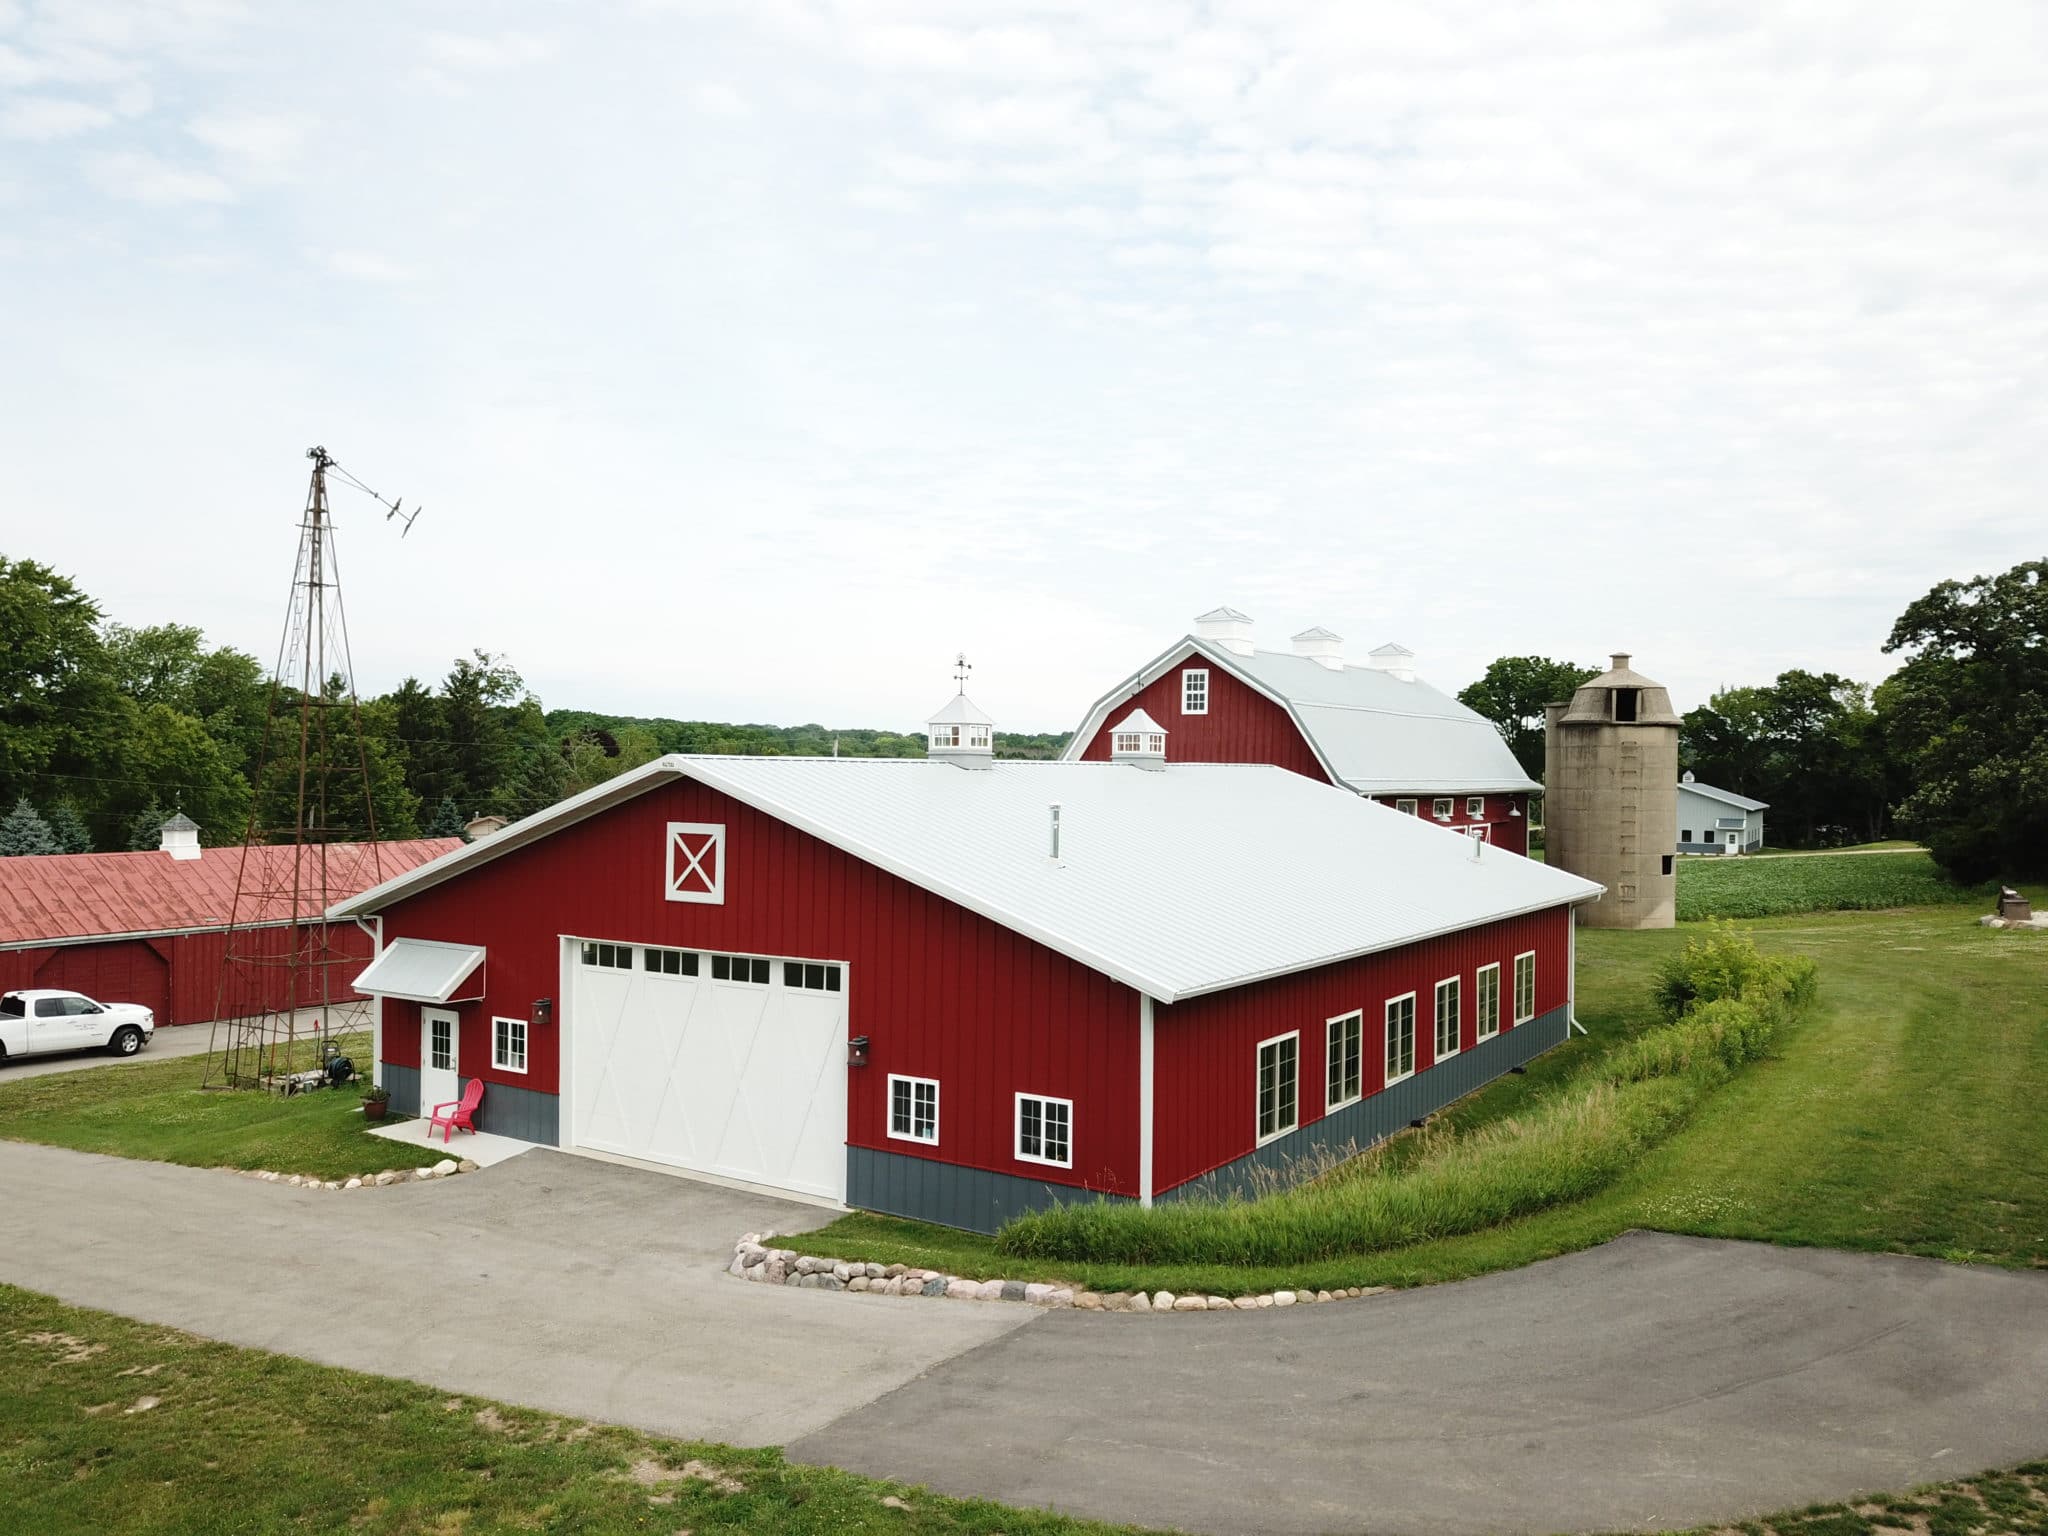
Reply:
x=961 y=667
x=323 y=461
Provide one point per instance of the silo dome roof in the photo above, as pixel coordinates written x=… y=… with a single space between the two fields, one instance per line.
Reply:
x=1594 y=700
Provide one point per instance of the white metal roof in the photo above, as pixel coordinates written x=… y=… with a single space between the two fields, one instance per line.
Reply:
x=1176 y=881
x=1725 y=796
x=960 y=710
x=1374 y=732
x=421 y=970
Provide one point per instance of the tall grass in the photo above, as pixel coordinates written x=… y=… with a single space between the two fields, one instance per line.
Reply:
x=1566 y=1147
x=1722 y=887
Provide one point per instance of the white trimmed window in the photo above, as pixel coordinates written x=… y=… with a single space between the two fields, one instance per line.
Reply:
x=1486 y=995
x=1400 y=1037
x=748 y=968
x=1279 y=1085
x=1194 y=691
x=696 y=862
x=1345 y=1045
x=810 y=975
x=669 y=962
x=508 y=1044
x=1447 y=1001
x=441 y=1043
x=914 y=1109
x=1442 y=807
x=616 y=957
x=1475 y=806
x=1525 y=987
x=1045 y=1130
x=1406 y=807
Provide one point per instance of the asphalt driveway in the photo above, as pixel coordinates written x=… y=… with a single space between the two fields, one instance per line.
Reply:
x=1657 y=1381
x=179 y=1040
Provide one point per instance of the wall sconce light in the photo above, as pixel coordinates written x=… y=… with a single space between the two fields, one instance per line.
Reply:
x=857 y=1051
x=543 y=1010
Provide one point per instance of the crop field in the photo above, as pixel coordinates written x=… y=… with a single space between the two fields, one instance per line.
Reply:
x=1840 y=882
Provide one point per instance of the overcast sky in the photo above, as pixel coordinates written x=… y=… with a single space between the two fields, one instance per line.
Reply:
x=749 y=359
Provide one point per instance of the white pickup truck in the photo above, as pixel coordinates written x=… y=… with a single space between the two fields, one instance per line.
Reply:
x=36 y=1022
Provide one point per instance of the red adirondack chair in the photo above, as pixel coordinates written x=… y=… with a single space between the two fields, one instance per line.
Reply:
x=457 y=1113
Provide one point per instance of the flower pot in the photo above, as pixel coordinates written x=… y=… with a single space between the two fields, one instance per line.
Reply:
x=373 y=1109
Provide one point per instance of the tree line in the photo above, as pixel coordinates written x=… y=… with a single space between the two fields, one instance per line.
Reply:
x=108 y=730
x=1952 y=748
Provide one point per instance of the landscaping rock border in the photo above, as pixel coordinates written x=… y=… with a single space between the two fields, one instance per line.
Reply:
x=753 y=1260
x=446 y=1168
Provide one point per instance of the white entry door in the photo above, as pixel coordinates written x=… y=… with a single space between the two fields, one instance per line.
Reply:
x=440 y=1065
x=741 y=1078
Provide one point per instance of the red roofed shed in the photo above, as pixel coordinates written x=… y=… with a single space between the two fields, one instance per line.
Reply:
x=151 y=927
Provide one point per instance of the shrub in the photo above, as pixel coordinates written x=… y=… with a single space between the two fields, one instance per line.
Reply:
x=1565 y=1148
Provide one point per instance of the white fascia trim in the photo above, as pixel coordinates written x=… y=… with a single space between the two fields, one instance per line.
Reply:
x=1146 y=1060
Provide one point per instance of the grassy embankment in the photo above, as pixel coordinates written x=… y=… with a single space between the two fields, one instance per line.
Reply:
x=120 y=1428
x=157 y=1110
x=1900 y=1114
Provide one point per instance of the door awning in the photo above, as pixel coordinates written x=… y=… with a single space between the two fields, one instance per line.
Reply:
x=424 y=971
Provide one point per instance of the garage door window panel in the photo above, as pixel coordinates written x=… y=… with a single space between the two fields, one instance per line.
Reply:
x=914 y=1109
x=750 y=969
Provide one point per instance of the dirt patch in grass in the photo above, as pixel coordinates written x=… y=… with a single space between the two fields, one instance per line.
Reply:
x=651 y=1473
x=68 y=1348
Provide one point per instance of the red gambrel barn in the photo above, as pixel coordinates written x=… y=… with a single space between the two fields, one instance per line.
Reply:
x=1377 y=729
x=151 y=927
x=956 y=989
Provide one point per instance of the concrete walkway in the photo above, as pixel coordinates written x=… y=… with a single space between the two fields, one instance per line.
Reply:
x=1653 y=1382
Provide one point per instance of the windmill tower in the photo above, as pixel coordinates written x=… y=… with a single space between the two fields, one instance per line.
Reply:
x=311 y=837
x=1610 y=796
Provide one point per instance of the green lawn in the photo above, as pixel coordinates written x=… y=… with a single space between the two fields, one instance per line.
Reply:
x=157 y=1110
x=115 y=1427
x=1902 y=1113
x=1822 y=882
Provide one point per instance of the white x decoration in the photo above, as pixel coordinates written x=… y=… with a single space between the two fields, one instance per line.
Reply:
x=696 y=873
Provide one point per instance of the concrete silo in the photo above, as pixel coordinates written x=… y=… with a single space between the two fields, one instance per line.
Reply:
x=1610 y=796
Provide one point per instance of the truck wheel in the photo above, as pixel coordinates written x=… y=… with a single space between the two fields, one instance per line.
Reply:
x=126 y=1042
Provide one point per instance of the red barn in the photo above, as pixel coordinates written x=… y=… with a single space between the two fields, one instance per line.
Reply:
x=1376 y=729
x=151 y=927
x=956 y=989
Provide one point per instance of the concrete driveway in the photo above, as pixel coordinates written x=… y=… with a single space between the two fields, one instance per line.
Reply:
x=556 y=1281
x=1656 y=1381
x=178 y=1040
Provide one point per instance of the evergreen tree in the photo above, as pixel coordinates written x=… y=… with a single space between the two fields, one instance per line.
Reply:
x=25 y=832
x=146 y=828
x=447 y=820
x=68 y=827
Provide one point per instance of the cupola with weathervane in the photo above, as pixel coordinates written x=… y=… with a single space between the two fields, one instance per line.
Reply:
x=1138 y=739
x=959 y=732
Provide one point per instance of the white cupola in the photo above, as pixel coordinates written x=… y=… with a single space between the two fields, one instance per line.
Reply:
x=960 y=733
x=1139 y=740
x=1321 y=646
x=1394 y=660
x=180 y=837
x=1228 y=627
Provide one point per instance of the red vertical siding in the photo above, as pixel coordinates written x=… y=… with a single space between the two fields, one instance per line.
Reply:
x=1507 y=815
x=1206 y=1049
x=1242 y=725
x=939 y=991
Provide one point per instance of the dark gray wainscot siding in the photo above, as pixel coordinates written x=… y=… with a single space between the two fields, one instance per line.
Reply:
x=505 y=1111
x=980 y=1201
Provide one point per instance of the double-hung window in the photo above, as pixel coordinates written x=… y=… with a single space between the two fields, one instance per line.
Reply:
x=1486 y=997
x=914 y=1108
x=1341 y=1071
x=1400 y=1037
x=1279 y=1085
x=1194 y=691
x=1525 y=987
x=1045 y=1130
x=508 y=1044
x=1447 y=1001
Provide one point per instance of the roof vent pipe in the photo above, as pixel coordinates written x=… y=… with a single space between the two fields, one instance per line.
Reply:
x=1053 y=849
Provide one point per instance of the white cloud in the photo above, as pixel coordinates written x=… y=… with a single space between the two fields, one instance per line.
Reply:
x=146 y=178
x=715 y=99
x=256 y=144
x=367 y=266
x=40 y=119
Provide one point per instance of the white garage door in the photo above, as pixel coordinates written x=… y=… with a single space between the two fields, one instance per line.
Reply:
x=731 y=1070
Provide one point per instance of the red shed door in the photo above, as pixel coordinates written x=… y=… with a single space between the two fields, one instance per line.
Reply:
x=125 y=972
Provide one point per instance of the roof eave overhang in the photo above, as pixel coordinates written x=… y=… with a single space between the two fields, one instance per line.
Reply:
x=57 y=941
